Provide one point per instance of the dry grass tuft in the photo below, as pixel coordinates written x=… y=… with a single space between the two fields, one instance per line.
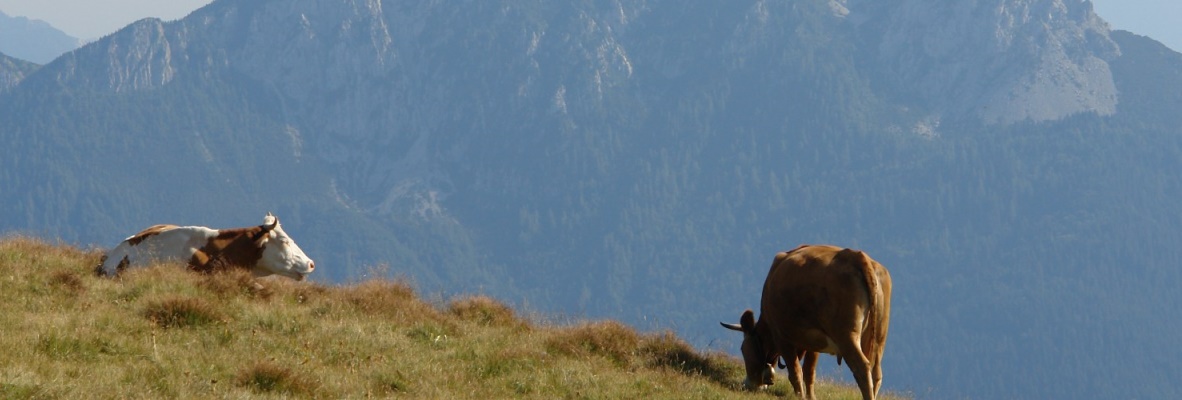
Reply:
x=181 y=312
x=18 y=391
x=484 y=311
x=266 y=377
x=236 y=282
x=66 y=347
x=25 y=255
x=609 y=339
x=667 y=350
x=388 y=298
x=68 y=280
x=308 y=293
x=386 y=384
x=30 y=245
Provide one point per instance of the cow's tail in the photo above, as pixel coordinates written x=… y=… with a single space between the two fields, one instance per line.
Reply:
x=876 y=311
x=98 y=269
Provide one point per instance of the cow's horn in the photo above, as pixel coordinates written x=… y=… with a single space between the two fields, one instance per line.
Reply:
x=733 y=327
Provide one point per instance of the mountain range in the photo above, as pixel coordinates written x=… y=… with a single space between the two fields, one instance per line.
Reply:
x=1014 y=164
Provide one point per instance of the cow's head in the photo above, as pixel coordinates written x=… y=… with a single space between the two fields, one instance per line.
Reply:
x=757 y=357
x=281 y=255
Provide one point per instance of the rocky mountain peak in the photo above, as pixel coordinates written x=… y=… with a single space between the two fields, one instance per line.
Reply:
x=138 y=57
x=998 y=61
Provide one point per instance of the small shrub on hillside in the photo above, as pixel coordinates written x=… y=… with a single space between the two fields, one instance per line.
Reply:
x=483 y=310
x=266 y=377
x=181 y=312
x=610 y=339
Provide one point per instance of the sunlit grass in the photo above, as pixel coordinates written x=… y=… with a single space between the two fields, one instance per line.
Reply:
x=164 y=332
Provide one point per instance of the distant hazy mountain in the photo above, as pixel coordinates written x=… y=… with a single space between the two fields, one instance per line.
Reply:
x=1014 y=165
x=13 y=70
x=33 y=40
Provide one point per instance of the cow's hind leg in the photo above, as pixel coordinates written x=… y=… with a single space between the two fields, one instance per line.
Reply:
x=810 y=375
x=794 y=373
x=876 y=373
x=859 y=365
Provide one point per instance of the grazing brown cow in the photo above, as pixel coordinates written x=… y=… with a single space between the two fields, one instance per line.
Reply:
x=264 y=250
x=819 y=299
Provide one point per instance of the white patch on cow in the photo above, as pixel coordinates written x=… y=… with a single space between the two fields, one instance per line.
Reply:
x=830 y=347
x=176 y=244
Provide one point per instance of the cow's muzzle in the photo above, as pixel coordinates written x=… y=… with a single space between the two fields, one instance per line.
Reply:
x=766 y=378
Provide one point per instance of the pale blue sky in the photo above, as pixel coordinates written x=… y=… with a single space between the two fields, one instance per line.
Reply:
x=1158 y=19
x=91 y=19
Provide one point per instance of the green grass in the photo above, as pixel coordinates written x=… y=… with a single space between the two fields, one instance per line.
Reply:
x=165 y=332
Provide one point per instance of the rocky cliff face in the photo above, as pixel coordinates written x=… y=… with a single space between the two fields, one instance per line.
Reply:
x=12 y=71
x=998 y=61
x=138 y=57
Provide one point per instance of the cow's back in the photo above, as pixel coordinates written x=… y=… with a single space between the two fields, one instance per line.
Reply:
x=816 y=289
x=159 y=243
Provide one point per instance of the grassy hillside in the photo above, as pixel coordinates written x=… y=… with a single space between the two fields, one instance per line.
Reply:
x=166 y=333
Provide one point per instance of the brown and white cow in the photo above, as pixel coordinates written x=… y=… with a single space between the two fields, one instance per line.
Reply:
x=819 y=299
x=264 y=250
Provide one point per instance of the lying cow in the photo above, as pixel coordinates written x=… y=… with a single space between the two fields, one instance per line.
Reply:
x=263 y=249
x=819 y=299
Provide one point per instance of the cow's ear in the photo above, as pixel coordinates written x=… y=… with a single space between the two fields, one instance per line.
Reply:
x=261 y=239
x=747 y=321
x=264 y=234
